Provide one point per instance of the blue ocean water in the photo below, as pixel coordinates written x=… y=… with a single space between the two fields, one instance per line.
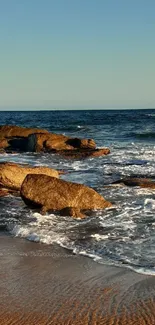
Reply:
x=123 y=235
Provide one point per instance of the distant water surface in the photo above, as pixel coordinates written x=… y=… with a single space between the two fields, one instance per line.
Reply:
x=123 y=235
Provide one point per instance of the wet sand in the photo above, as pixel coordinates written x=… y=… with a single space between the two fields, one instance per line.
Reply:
x=41 y=284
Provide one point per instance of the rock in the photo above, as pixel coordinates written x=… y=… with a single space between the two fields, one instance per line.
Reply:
x=12 y=175
x=72 y=212
x=135 y=181
x=13 y=131
x=47 y=142
x=3 y=143
x=55 y=142
x=83 y=153
x=7 y=191
x=15 y=138
x=77 y=143
x=50 y=193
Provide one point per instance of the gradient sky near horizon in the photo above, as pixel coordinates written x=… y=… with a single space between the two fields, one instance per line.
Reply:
x=77 y=54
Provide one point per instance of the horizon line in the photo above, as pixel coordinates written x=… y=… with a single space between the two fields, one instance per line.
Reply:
x=72 y=109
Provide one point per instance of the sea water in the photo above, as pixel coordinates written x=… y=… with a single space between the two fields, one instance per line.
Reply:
x=123 y=235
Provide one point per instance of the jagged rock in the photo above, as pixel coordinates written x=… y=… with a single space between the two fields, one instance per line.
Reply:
x=55 y=142
x=15 y=138
x=47 y=142
x=72 y=212
x=50 y=193
x=12 y=175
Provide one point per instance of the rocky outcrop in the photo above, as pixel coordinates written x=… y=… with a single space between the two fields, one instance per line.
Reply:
x=13 y=131
x=12 y=175
x=73 y=148
x=57 y=142
x=50 y=193
x=137 y=181
x=15 y=138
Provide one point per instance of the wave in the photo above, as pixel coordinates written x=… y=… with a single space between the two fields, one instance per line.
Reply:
x=63 y=241
x=69 y=128
x=142 y=136
x=151 y=115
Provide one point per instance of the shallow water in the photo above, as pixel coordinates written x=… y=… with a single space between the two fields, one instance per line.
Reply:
x=123 y=235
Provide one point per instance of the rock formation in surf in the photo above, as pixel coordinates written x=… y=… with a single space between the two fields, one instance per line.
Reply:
x=49 y=193
x=15 y=138
x=12 y=175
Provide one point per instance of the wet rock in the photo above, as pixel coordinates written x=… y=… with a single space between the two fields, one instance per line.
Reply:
x=47 y=142
x=57 y=142
x=19 y=139
x=14 y=138
x=72 y=212
x=135 y=181
x=50 y=193
x=82 y=143
x=83 y=153
x=12 y=175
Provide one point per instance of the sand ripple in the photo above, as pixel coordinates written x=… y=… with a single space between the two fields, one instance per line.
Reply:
x=41 y=285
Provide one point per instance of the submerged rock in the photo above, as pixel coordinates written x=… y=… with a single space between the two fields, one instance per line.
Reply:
x=83 y=153
x=135 y=181
x=72 y=212
x=12 y=175
x=50 y=193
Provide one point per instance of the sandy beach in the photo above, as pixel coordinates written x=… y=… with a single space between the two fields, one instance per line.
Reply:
x=43 y=284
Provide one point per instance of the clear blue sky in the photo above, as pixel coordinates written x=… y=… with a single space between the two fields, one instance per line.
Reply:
x=77 y=53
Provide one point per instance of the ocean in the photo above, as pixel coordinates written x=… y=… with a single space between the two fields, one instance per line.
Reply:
x=123 y=235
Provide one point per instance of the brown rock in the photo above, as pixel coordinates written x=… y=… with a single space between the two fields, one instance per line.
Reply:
x=135 y=181
x=51 y=193
x=47 y=142
x=81 y=154
x=55 y=142
x=3 y=143
x=77 y=143
x=10 y=131
x=15 y=138
x=12 y=175
x=7 y=191
x=72 y=212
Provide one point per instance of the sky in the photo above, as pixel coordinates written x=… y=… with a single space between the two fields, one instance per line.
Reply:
x=57 y=54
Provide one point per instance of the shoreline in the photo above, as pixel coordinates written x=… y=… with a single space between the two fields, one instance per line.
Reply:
x=46 y=284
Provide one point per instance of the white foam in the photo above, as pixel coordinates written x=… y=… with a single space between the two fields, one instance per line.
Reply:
x=149 y=204
x=42 y=229
x=99 y=237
